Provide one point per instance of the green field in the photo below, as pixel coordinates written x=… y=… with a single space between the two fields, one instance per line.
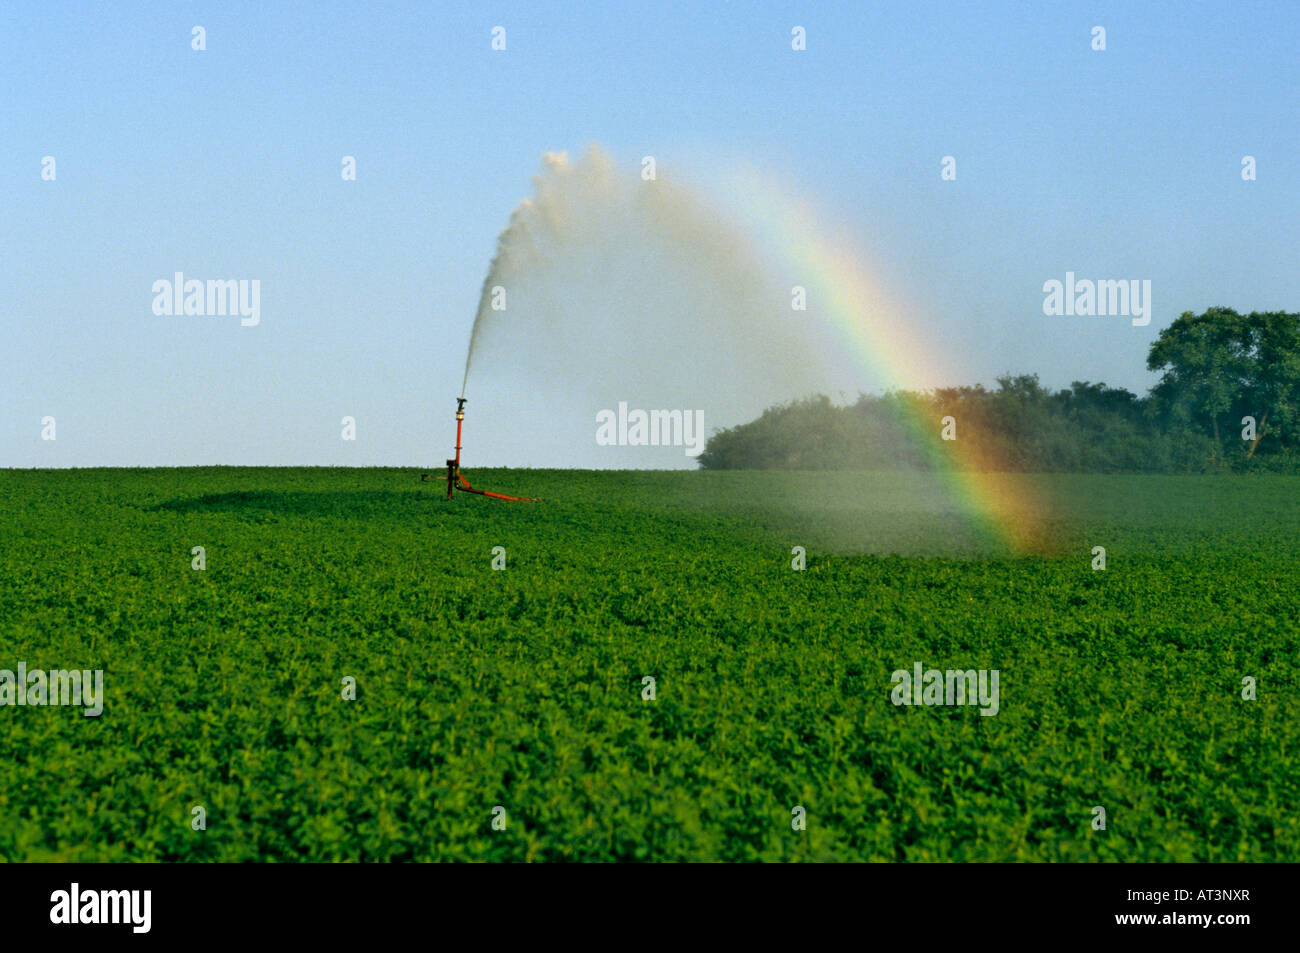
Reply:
x=523 y=687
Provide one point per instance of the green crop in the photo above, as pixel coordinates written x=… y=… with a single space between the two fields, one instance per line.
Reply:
x=523 y=688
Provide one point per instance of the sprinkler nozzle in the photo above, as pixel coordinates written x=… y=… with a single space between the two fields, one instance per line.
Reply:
x=460 y=408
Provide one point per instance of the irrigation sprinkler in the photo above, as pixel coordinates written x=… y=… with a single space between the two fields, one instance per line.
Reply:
x=457 y=481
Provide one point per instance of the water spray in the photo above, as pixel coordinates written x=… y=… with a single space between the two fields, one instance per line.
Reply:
x=684 y=273
x=456 y=480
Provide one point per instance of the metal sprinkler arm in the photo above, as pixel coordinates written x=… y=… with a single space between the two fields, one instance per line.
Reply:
x=453 y=466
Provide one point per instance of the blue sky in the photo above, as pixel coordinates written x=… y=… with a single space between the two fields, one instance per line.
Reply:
x=225 y=164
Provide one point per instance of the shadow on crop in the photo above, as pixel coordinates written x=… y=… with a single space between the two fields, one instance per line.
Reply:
x=348 y=503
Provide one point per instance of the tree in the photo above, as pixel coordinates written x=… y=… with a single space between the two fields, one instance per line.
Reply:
x=1222 y=362
x=1275 y=348
x=1206 y=367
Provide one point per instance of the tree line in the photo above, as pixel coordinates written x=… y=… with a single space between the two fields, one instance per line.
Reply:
x=1228 y=398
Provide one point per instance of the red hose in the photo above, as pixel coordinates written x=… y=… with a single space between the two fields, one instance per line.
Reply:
x=463 y=484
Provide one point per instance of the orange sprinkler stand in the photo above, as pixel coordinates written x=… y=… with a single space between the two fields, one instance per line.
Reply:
x=456 y=480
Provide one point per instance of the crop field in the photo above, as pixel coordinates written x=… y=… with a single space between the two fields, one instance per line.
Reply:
x=505 y=713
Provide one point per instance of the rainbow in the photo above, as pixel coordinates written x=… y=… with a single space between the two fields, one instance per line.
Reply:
x=865 y=339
